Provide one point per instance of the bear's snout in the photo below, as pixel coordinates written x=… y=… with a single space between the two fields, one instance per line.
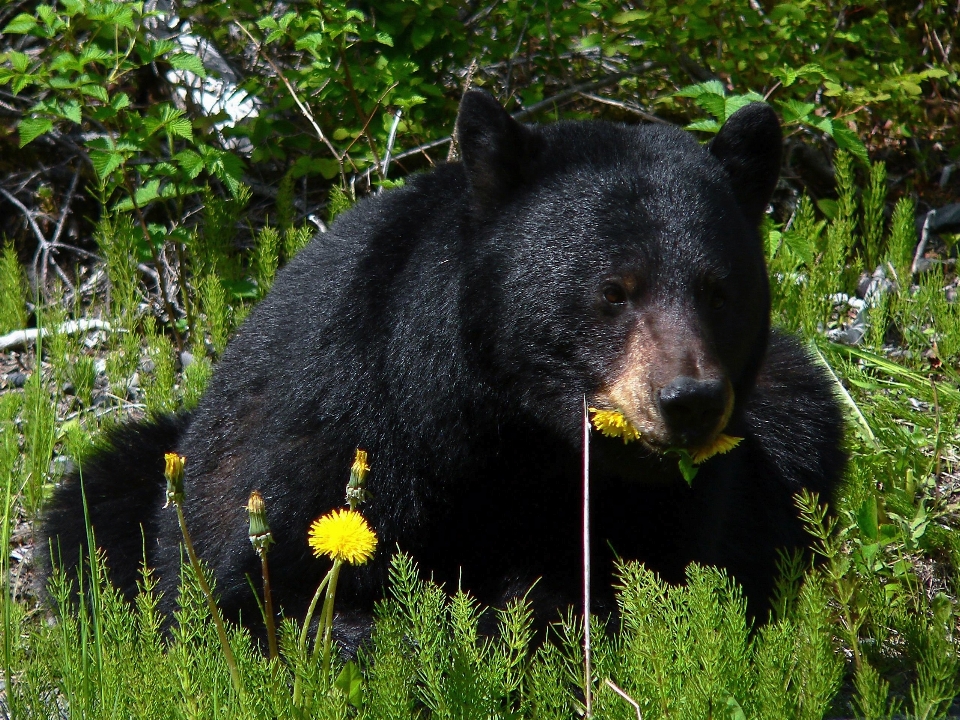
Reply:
x=694 y=410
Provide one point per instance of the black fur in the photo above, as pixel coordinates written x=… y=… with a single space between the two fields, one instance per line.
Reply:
x=452 y=328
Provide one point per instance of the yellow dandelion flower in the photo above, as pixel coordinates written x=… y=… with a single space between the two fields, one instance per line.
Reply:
x=613 y=423
x=343 y=535
x=722 y=445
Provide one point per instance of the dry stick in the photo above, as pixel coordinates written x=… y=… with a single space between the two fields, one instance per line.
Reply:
x=296 y=99
x=636 y=706
x=30 y=335
x=587 y=670
x=43 y=246
x=588 y=86
x=625 y=106
x=65 y=209
x=922 y=245
x=391 y=138
x=356 y=106
x=363 y=130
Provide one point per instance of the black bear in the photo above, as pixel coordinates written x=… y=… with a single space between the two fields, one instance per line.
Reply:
x=452 y=328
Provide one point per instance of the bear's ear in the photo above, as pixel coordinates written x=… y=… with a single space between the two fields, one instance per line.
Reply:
x=750 y=145
x=495 y=149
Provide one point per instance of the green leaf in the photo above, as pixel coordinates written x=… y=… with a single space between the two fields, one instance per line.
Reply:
x=794 y=111
x=181 y=127
x=350 y=681
x=867 y=519
x=32 y=128
x=630 y=16
x=384 y=39
x=711 y=126
x=735 y=102
x=224 y=165
x=714 y=104
x=801 y=245
x=734 y=711
x=822 y=124
x=712 y=87
x=311 y=41
x=787 y=76
x=190 y=63
x=64 y=61
x=686 y=466
x=241 y=289
x=96 y=91
x=105 y=161
x=191 y=163
x=828 y=207
x=20 y=25
x=71 y=111
x=144 y=194
x=421 y=35
x=19 y=60
x=888 y=534
x=92 y=53
x=850 y=141
x=156 y=49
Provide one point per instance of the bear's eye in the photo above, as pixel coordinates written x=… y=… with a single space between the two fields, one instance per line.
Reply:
x=614 y=293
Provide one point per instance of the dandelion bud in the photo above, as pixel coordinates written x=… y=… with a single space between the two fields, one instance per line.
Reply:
x=174 y=474
x=259 y=531
x=356 y=488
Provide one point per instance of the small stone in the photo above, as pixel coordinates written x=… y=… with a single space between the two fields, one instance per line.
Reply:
x=16 y=379
x=186 y=359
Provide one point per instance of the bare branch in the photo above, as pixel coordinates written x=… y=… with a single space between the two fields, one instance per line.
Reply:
x=28 y=214
x=19 y=338
x=65 y=210
x=629 y=107
x=296 y=99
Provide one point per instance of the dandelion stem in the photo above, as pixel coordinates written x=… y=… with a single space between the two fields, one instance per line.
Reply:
x=268 y=606
x=211 y=603
x=313 y=606
x=587 y=670
x=327 y=617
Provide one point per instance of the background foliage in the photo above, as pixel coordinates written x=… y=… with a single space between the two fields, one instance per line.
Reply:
x=159 y=161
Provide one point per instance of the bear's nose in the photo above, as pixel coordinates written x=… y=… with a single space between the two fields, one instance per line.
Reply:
x=692 y=409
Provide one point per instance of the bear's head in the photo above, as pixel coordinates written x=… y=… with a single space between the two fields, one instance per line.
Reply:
x=621 y=263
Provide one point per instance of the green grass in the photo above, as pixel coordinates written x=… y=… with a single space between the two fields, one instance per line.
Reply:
x=872 y=632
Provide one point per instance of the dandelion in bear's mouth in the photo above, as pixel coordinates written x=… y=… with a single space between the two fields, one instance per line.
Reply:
x=613 y=424
x=343 y=535
x=722 y=445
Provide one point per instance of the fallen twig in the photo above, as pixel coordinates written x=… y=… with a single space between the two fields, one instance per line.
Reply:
x=922 y=245
x=30 y=335
x=636 y=706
